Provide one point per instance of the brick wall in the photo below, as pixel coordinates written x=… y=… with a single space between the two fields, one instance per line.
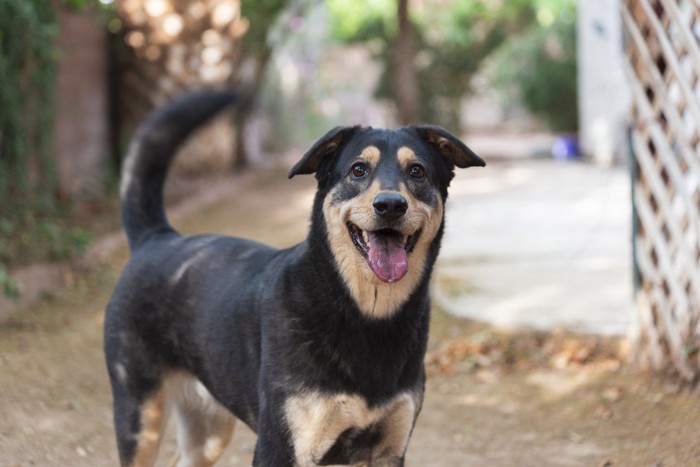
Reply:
x=81 y=131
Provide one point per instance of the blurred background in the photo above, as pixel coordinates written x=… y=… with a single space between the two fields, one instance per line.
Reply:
x=79 y=75
x=585 y=221
x=518 y=80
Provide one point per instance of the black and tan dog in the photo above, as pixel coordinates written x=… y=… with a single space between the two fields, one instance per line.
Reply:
x=318 y=348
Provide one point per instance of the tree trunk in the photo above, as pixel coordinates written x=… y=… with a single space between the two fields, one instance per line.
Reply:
x=241 y=157
x=406 y=94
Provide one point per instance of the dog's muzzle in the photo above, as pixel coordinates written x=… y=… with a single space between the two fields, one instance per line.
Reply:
x=386 y=250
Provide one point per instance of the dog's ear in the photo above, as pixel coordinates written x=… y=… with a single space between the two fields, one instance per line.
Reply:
x=449 y=146
x=328 y=145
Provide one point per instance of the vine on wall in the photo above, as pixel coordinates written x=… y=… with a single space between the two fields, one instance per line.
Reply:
x=27 y=80
x=30 y=211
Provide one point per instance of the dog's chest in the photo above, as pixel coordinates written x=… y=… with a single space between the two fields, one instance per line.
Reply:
x=342 y=429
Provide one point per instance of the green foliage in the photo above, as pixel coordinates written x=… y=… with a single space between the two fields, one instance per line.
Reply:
x=9 y=287
x=45 y=240
x=454 y=48
x=27 y=78
x=261 y=15
x=353 y=20
x=452 y=42
x=30 y=213
x=63 y=242
x=40 y=239
x=539 y=66
x=77 y=4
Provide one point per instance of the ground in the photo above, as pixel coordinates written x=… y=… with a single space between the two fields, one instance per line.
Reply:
x=493 y=398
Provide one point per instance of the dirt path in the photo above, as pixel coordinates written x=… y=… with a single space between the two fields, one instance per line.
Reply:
x=492 y=399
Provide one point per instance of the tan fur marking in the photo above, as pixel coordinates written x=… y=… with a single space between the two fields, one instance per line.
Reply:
x=316 y=421
x=204 y=426
x=153 y=418
x=371 y=154
x=373 y=297
x=406 y=156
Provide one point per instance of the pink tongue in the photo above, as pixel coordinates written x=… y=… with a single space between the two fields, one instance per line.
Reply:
x=387 y=257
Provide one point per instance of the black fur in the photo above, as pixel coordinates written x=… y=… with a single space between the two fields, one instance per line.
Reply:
x=353 y=446
x=257 y=325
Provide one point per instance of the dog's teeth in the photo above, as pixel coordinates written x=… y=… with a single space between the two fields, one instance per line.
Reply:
x=365 y=237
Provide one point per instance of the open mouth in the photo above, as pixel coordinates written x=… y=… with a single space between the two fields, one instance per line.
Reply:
x=385 y=250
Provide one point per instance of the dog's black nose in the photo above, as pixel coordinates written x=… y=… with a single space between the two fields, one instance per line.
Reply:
x=390 y=206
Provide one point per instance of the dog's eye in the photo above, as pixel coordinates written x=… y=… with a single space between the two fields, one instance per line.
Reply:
x=359 y=170
x=416 y=171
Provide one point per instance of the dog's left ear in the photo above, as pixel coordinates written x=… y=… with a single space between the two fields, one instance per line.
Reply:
x=449 y=146
x=328 y=145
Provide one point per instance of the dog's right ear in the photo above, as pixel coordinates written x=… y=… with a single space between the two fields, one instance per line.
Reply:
x=328 y=145
x=449 y=146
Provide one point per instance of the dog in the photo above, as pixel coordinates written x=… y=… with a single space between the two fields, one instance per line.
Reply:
x=318 y=348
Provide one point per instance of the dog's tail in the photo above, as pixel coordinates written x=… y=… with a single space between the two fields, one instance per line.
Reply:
x=155 y=143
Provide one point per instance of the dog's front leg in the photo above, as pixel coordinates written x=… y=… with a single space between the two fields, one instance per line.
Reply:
x=274 y=446
x=273 y=450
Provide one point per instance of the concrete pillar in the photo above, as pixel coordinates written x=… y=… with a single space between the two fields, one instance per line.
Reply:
x=604 y=95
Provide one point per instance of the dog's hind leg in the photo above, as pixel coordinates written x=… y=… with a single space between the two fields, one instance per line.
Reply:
x=139 y=426
x=139 y=393
x=204 y=427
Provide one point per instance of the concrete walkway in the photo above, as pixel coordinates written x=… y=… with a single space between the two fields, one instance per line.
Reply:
x=539 y=244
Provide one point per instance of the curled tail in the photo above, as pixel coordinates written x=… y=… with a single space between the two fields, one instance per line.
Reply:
x=151 y=150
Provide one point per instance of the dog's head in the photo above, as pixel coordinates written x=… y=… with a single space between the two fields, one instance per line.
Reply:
x=383 y=193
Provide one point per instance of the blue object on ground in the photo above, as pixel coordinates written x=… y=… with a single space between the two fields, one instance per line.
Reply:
x=566 y=148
